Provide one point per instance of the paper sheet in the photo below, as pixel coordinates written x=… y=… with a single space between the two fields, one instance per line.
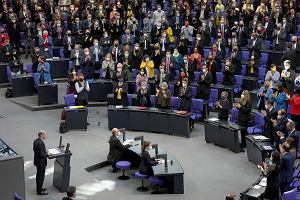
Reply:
x=53 y=151
x=213 y=119
x=128 y=142
x=256 y=187
x=260 y=137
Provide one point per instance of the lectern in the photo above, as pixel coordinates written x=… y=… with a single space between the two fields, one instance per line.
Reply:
x=62 y=169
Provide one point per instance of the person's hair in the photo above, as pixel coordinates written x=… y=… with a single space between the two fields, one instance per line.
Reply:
x=270 y=102
x=225 y=94
x=43 y=58
x=40 y=133
x=275 y=157
x=286 y=146
x=246 y=97
x=146 y=144
x=291 y=142
x=282 y=111
x=292 y=125
x=71 y=191
x=164 y=84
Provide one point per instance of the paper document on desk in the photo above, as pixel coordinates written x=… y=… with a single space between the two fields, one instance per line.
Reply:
x=119 y=106
x=267 y=148
x=213 y=119
x=260 y=137
x=263 y=182
x=162 y=161
x=53 y=151
x=126 y=142
x=256 y=187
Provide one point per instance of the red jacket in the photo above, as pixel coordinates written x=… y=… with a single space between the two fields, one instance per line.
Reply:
x=295 y=105
x=3 y=37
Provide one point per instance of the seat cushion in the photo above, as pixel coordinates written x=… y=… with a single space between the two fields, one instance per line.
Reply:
x=253 y=130
x=154 y=180
x=123 y=165
x=138 y=175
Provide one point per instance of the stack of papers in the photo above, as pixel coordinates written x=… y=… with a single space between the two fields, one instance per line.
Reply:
x=126 y=142
x=263 y=182
x=119 y=106
x=54 y=151
x=256 y=187
x=213 y=119
x=267 y=147
x=260 y=137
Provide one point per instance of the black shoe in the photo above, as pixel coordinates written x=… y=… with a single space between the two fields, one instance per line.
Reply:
x=116 y=170
x=88 y=123
x=44 y=189
x=242 y=150
x=42 y=193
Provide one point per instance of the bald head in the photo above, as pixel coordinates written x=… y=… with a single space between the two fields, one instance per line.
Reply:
x=42 y=134
x=115 y=131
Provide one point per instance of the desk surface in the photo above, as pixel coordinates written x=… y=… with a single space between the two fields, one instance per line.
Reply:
x=220 y=86
x=151 y=109
x=22 y=76
x=159 y=169
x=223 y=123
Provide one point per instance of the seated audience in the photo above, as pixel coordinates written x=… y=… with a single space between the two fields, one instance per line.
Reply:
x=223 y=106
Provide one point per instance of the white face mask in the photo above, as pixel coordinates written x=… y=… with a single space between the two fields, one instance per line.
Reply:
x=150 y=147
x=87 y=53
x=147 y=59
x=136 y=48
x=185 y=61
x=126 y=54
x=204 y=70
x=96 y=44
x=144 y=87
x=286 y=67
x=242 y=96
x=266 y=106
x=184 y=85
x=119 y=69
x=162 y=70
x=107 y=59
x=168 y=56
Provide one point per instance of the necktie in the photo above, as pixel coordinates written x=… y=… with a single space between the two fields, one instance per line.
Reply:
x=97 y=55
x=145 y=45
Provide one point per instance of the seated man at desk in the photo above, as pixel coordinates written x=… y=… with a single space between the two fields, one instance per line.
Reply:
x=116 y=149
x=163 y=96
x=120 y=92
x=143 y=95
x=185 y=95
x=44 y=71
x=223 y=106
x=146 y=161
x=82 y=89
x=228 y=73
x=204 y=84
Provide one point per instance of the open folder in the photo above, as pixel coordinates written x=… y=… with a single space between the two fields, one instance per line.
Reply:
x=53 y=151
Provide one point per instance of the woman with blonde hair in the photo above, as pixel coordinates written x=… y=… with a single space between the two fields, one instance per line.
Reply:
x=244 y=106
x=108 y=67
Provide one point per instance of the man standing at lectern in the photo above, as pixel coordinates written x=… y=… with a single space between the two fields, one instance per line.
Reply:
x=40 y=161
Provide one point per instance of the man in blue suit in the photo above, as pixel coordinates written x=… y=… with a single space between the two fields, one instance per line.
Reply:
x=286 y=167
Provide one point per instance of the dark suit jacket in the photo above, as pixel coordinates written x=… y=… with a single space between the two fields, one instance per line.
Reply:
x=289 y=81
x=40 y=153
x=269 y=30
x=281 y=39
x=123 y=93
x=146 y=163
x=269 y=128
x=204 y=86
x=185 y=99
x=292 y=56
x=244 y=114
x=116 y=149
x=146 y=96
x=224 y=111
x=286 y=169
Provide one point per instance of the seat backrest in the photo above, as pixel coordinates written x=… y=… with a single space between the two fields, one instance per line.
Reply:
x=234 y=115
x=175 y=102
x=133 y=73
x=194 y=91
x=259 y=119
x=171 y=87
x=214 y=93
x=245 y=55
x=36 y=77
x=69 y=100
x=17 y=197
x=238 y=80
x=197 y=75
x=129 y=97
x=29 y=68
x=8 y=71
x=290 y=195
x=153 y=100
x=197 y=105
x=261 y=72
x=220 y=77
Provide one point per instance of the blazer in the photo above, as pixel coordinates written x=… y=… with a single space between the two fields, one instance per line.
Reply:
x=108 y=68
x=268 y=93
x=146 y=163
x=46 y=71
x=280 y=101
x=244 y=114
x=286 y=169
x=204 y=86
x=272 y=188
x=116 y=149
x=185 y=99
x=281 y=39
x=42 y=46
x=224 y=111
x=100 y=53
x=143 y=99
x=149 y=67
x=40 y=153
x=162 y=101
x=288 y=82
x=291 y=55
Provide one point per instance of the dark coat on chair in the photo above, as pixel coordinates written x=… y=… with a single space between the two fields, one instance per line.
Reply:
x=116 y=149
x=146 y=163
x=40 y=153
x=185 y=99
x=204 y=86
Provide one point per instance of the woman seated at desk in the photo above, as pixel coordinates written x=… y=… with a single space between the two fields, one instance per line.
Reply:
x=223 y=106
x=146 y=161
x=143 y=95
x=163 y=96
x=44 y=71
x=120 y=92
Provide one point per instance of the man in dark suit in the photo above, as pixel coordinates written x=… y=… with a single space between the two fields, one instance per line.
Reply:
x=269 y=27
x=71 y=193
x=116 y=149
x=185 y=95
x=279 y=38
x=290 y=55
x=255 y=46
x=40 y=161
x=269 y=114
x=287 y=27
x=286 y=167
x=288 y=76
x=291 y=132
x=242 y=34
x=204 y=84
x=68 y=43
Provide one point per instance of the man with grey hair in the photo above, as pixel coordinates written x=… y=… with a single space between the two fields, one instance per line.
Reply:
x=279 y=38
x=40 y=161
x=291 y=132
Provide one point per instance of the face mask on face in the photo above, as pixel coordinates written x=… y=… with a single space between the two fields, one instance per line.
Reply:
x=184 y=85
x=162 y=70
x=279 y=117
x=242 y=96
x=222 y=97
x=185 y=61
x=266 y=107
x=96 y=44
x=136 y=48
x=142 y=73
x=147 y=59
x=119 y=69
x=168 y=55
x=126 y=54
x=86 y=53
x=144 y=87
x=204 y=70
x=286 y=67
